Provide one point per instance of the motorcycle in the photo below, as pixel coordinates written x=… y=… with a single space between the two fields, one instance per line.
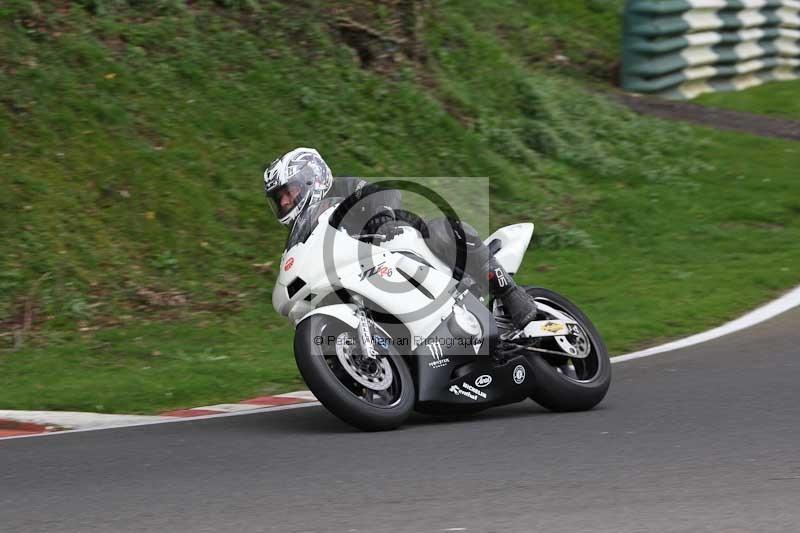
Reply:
x=384 y=327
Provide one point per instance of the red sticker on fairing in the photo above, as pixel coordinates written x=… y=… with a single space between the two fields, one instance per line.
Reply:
x=288 y=265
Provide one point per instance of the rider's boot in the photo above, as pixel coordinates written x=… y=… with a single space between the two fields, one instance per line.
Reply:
x=518 y=304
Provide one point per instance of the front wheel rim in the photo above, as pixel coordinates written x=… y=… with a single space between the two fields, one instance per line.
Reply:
x=381 y=397
x=375 y=374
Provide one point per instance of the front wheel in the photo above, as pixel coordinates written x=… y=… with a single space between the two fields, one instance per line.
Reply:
x=569 y=383
x=369 y=394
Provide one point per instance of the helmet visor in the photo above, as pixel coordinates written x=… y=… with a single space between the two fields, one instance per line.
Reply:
x=295 y=192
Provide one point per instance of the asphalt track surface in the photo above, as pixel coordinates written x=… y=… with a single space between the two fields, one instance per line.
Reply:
x=702 y=439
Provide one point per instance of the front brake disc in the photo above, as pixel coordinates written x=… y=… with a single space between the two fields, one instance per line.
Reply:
x=378 y=378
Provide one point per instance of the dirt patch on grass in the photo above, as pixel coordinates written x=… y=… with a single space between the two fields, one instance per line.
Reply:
x=174 y=303
x=382 y=39
x=19 y=324
x=716 y=118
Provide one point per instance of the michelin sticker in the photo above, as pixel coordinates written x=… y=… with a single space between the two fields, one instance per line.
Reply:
x=473 y=390
x=468 y=390
x=458 y=391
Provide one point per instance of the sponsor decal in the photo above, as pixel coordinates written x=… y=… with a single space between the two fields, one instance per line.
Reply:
x=477 y=347
x=553 y=327
x=436 y=352
x=467 y=391
x=501 y=277
x=288 y=265
x=458 y=391
x=473 y=390
x=483 y=381
x=519 y=374
x=381 y=269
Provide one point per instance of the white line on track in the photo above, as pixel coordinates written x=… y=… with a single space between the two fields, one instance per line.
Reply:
x=171 y=420
x=762 y=314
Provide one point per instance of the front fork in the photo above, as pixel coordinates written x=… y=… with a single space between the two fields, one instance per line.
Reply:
x=364 y=333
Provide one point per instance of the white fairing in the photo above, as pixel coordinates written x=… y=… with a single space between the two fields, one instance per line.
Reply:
x=330 y=259
x=514 y=241
x=344 y=312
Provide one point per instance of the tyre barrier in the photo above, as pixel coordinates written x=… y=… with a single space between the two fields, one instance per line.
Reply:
x=683 y=48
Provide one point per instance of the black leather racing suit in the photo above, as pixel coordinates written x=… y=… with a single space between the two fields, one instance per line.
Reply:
x=370 y=207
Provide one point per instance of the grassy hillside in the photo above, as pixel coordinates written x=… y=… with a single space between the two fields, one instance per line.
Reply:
x=138 y=256
x=776 y=98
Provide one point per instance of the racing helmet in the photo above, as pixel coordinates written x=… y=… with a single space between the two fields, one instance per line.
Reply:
x=294 y=181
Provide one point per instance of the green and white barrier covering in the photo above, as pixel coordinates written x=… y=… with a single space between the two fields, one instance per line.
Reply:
x=683 y=48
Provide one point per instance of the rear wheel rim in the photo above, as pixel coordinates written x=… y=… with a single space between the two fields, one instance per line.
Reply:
x=577 y=370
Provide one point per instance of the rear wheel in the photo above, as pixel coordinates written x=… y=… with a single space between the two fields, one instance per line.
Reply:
x=370 y=394
x=575 y=371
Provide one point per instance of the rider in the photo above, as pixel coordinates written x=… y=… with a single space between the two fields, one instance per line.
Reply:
x=301 y=178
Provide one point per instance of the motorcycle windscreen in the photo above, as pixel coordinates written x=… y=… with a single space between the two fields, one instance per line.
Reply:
x=307 y=221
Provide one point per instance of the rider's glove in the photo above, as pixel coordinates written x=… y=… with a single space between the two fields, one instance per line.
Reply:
x=382 y=222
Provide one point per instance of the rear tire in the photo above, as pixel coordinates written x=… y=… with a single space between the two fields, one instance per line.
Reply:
x=563 y=383
x=341 y=394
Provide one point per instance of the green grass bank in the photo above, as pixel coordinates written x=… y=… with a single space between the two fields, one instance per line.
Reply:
x=138 y=256
x=777 y=99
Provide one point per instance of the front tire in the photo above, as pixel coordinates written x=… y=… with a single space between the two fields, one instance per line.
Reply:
x=344 y=392
x=564 y=383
